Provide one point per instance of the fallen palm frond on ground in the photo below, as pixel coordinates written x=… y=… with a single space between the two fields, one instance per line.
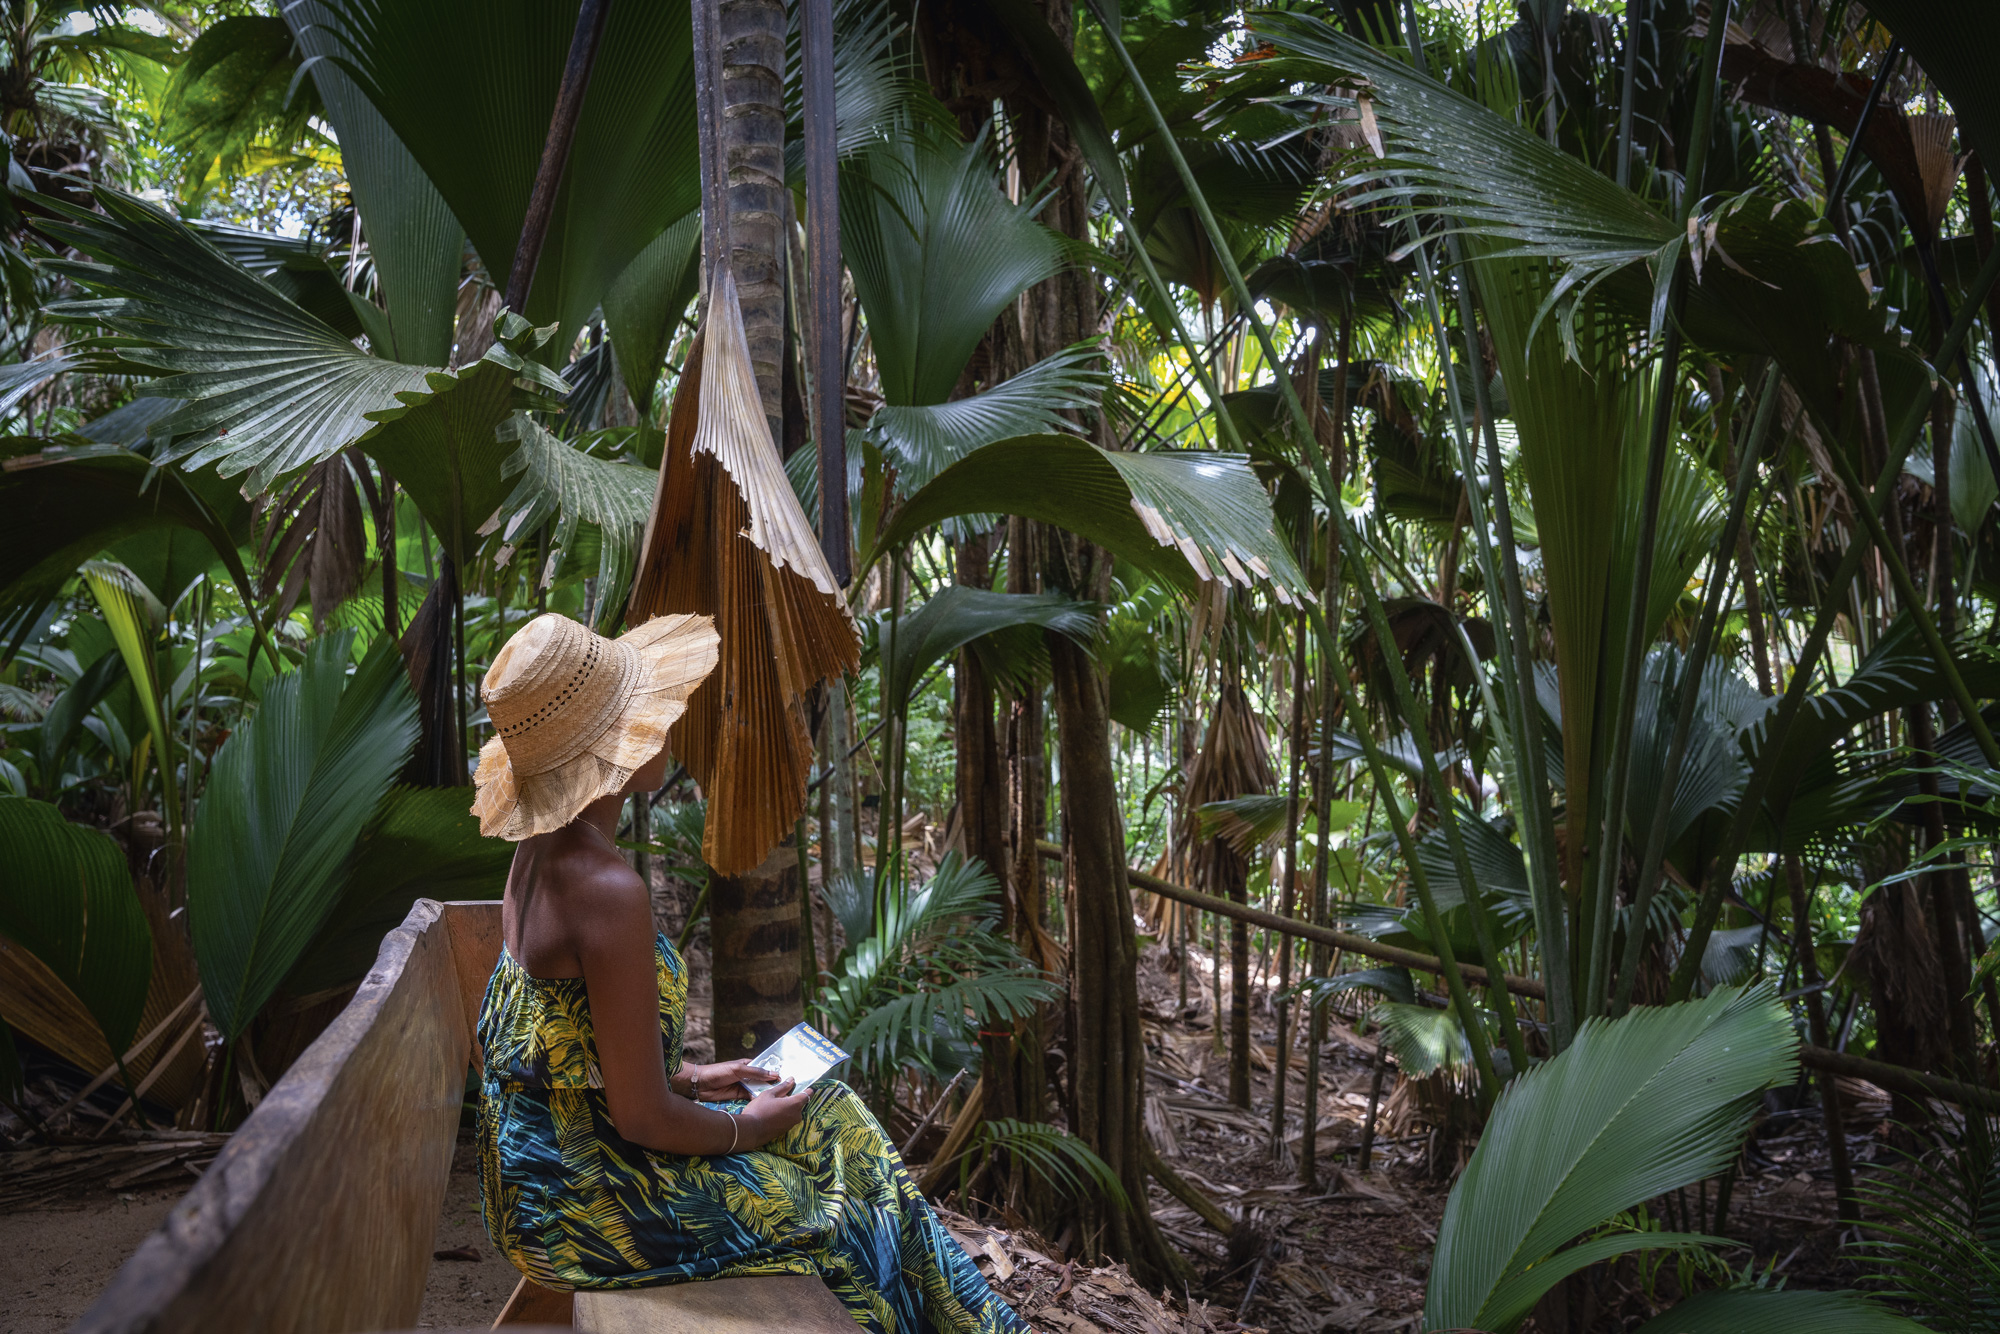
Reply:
x=1074 y=1297
x=139 y=1159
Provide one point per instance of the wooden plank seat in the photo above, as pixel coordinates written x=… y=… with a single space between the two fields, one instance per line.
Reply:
x=319 y=1215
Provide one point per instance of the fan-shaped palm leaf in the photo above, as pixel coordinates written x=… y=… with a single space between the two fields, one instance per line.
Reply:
x=959 y=615
x=1633 y=1108
x=414 y=242
x=443 y=442
x=874 y=84
x=925 y=440
x=421 y=842
x=1422 y=1040
x=267 y=387
x=644 y=304
x=287 y=796
x=66 y=898
x=937 y=252
x=1183 y=517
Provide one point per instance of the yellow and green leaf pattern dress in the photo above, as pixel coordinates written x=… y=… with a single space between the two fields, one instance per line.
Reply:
x=576 y=1205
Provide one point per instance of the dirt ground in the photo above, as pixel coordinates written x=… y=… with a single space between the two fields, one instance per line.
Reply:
x=55 y=1259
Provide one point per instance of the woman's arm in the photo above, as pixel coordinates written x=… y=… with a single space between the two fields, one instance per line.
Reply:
x=614 y=944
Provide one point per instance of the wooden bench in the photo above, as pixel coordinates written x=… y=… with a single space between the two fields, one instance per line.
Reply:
x=319 y=1217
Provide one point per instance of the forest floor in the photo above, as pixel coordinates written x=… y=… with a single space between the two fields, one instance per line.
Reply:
x=1348 y=1253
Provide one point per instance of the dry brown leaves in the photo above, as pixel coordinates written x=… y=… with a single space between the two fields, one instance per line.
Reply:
x=1071 y=1298
x=148 y=1158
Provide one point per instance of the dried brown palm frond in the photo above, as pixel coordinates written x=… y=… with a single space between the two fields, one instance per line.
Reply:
x=1234 y=761
x=314 y=541
x=728 y=539
x=1937 y=165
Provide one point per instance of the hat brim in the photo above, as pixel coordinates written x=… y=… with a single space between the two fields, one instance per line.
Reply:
x=675 y=654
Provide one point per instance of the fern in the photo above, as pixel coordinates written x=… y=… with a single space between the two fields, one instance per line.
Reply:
x=1052 y=1154
x=922 y=973
x=1937 y=1242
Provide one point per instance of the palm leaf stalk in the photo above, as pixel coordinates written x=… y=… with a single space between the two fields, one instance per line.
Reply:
x=1530 y=774
x=1624 y=686
x=1832 y=604
x=1521 y=750
x=1377 y=617
x=1651 y=862
x=1914 y=605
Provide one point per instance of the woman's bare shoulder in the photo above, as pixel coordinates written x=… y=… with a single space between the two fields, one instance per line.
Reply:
x=607 y=902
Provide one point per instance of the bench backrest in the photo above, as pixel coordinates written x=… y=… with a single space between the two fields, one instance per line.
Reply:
x=319 y=1215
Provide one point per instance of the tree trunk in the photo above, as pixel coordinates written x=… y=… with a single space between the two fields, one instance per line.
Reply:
x=1108 y=1066
x=754 y=954
x=753 y=155
x=754 y=918
x=982 y=815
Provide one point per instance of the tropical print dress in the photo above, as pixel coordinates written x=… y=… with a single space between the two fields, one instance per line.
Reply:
x=576 y=1205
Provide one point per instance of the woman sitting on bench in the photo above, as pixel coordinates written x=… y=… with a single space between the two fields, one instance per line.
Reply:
x=607 y=1162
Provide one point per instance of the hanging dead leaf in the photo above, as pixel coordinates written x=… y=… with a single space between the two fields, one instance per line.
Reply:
x=727 y=539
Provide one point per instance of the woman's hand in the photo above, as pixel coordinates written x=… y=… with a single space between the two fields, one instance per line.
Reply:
x=723 y=1081
x=771 y=1113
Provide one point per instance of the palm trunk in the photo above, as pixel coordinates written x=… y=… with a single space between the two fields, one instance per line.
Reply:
x=1108 y=1047
x=754 y=918
x=752 y=142
x=982 y=813
x=754 y=951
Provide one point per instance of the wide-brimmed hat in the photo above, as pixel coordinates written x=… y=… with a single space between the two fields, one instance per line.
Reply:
x=575 y=714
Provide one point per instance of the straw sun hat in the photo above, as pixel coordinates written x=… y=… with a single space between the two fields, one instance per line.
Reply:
x=576 y=714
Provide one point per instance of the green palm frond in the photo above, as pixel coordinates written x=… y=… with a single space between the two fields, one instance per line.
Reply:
x=932 y=1028
x=1934 y=1235
x=925 y=440
x=936 y=252
x=468 y=87
x=1393 y=984
x=442 y=442
x=135 y=617
x=645 y=302
x=1634 y=1107
x=267 y=387
x=19 y=705
x=416 y=246
x=1005 y=629
x=874 y=84
x=921 y=974
x=1054 y=1155
x=562 y=483
x=72 y=499
x=66 y=897
x=1422 y=1040
x=288 y=795
x=1779 y=1311
x=1184 y=517
x=421 y=842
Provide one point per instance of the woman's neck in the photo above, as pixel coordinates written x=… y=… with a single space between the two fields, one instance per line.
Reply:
x=603 y=814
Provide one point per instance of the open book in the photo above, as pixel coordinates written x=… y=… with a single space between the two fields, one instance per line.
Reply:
x=803 y=1054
